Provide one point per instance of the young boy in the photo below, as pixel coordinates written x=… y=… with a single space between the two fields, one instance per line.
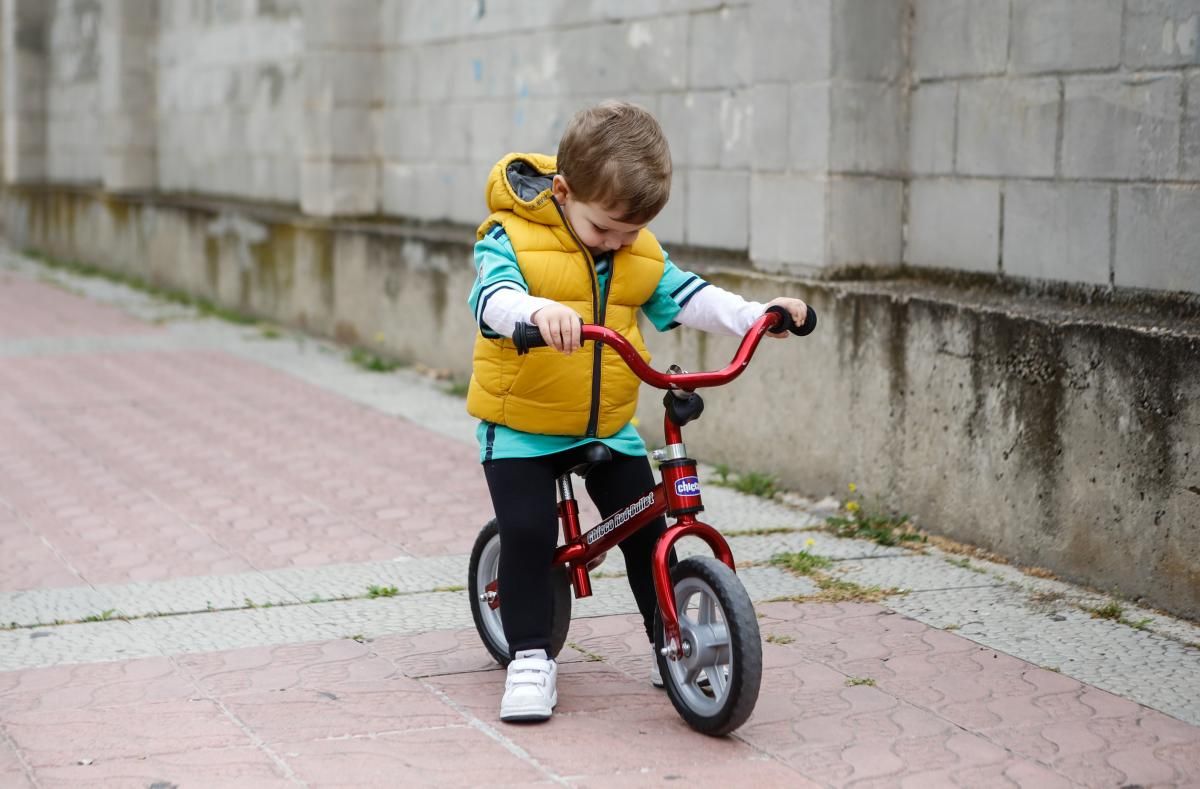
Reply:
x=567 y=240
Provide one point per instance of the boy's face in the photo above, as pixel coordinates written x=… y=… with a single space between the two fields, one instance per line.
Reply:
x=597 y=226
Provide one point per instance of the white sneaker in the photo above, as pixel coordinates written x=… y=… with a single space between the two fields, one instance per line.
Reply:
x=655 y=675
x=531 y=691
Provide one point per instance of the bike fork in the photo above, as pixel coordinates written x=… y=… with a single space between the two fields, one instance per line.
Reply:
x=685 y=526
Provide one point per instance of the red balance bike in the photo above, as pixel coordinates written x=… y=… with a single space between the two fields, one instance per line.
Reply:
x=705 y=630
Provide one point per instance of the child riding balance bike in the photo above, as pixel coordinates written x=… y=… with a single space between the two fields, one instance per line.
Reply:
x=564 y=258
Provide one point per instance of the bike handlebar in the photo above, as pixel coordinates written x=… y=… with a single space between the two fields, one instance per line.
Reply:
x=776 y=318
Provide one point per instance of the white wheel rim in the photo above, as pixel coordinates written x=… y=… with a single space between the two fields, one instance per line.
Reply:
x=702 y=674
x=486 y=572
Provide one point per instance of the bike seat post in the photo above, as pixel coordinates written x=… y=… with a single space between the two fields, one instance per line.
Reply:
x=568 y=516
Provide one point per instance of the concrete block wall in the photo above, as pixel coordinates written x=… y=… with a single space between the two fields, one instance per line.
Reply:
x=1057 y=140
x=74 y=151
x=230 y=98
x=466 y=82
x=1051 y=140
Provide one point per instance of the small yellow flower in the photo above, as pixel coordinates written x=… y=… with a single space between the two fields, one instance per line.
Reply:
x=810 y=542
x=852 y=506
x=852 y=487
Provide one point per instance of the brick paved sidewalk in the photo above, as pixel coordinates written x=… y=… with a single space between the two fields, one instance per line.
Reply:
x=187 y=540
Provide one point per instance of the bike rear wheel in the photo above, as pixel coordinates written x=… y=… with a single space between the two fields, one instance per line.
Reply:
x=483 y=570
x=714 y=684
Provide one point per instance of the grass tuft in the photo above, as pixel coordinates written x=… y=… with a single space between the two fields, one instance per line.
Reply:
x=374 y=591
x=372 y=362
x=801 y=562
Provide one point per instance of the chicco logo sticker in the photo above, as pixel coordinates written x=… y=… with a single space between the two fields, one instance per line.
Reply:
x=687 y=486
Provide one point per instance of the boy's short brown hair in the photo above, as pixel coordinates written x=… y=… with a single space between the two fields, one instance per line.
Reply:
x=616 y=155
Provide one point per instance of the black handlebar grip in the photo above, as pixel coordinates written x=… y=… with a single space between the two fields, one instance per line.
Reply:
x=786 y=323
x=527 y=336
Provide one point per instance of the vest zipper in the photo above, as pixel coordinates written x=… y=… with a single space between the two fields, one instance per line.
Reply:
x=597 y=317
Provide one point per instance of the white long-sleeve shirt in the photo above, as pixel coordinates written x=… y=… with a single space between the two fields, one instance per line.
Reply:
x=711 y=309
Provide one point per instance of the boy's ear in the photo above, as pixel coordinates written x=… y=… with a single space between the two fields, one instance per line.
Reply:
x=560 y=189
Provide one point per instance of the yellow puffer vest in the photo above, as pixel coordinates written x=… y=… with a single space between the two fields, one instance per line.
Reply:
x=591 y=392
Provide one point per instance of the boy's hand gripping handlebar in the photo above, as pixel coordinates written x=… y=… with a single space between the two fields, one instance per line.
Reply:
x=776 y=319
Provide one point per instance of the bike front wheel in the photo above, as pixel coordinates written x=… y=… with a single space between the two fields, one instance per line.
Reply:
x=714 y=684
x=483 y=569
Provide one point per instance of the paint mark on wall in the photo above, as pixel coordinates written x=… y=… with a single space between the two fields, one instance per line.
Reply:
x=1181 y=38
x=639 y=36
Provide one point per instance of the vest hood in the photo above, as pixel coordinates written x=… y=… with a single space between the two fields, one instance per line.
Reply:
x=520 y=183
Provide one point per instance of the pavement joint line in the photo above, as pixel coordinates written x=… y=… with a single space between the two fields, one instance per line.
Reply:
x=948 y=589
x=26 y=767
x=215 y=610
x=495 y=734
x=258 y=742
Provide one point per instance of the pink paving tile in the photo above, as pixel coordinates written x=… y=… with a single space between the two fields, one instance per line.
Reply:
x=316 y=690
x=763 y=774
x=93 y=685
x=258 y=670
x=60 y=737
x=341 y=709
x=458 y=756
x=123 y=460
x=13 y=772
x=631 y=738
x=230 y=768
x=27 y=562
x=444 y=652
x=35 y=309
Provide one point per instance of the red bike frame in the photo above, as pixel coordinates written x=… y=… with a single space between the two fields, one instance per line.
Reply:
x=676 y=496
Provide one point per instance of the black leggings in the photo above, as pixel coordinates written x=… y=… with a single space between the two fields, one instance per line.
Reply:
x=525 y=500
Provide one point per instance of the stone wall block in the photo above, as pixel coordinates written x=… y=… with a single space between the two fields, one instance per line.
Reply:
x=1158 y=238
x=770 y=126
x=343 y=24
x=868 y=128
x=668 y=226
x=708 y=129
x=720 y=49
x=954 y=224
x=435 y=72
x=809 y=126
x=787 y=221
x=1057 y=231
x=1065 y=35
x=1008 y=127
x=340 y=133
x=1161 y=33
x=130 y=170
x=865 y=221
x=1122 y=127
x=932 y=128
x=330 y=188
x=868 y=39
x=792 y=40
x=653 y=56
x=338 y=79
x=718 y=209
x=959 y=38
x=399 y=78
x=537 y=124
x=491 y=126
x=1191 y=130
